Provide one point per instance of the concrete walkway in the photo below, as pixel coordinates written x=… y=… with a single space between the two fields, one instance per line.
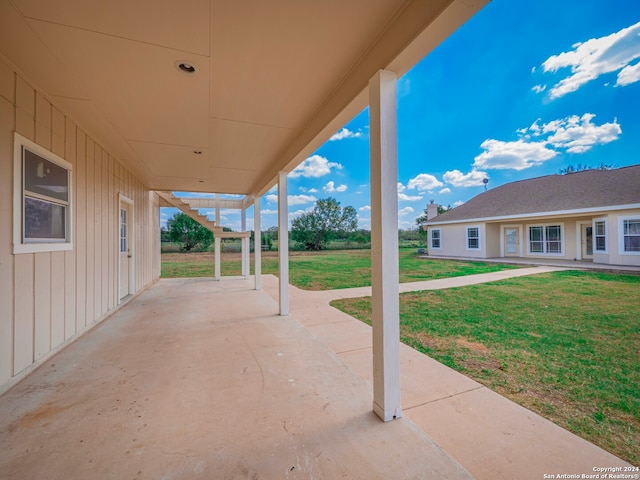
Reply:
x=489 y=435
x=450 y=282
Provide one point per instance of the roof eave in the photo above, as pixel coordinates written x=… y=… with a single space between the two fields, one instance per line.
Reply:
x=565 y=213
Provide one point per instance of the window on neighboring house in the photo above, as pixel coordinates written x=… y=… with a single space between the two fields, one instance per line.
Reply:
x=545 y=239
x=600 y=235
x=42 y=199
x=631 y=235
x=473 y=238
x=435 y=238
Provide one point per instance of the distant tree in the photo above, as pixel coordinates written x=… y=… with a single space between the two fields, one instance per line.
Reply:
x=314 y=229
x=183 y=229
x=272 y=233
x=266 y=240
x=581 y=168
x=164 y=235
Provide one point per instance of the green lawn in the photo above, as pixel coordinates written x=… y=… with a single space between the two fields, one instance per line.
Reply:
x=565 y=344
x=328 y=269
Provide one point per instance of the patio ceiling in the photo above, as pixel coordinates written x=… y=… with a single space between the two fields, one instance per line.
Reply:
x=274 y=80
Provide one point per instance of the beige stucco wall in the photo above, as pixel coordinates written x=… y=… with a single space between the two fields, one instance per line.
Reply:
x=48 y=299
x=453 y=239
x=615 y=255
x=492 y=242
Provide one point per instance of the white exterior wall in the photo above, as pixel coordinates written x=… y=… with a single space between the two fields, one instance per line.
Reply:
x=453 y=238
x=453 y=241
x=615 y=255
x=48 y=299
x=492 y=240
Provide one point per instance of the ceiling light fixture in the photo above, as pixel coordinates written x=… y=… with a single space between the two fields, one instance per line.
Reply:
x=186 y=67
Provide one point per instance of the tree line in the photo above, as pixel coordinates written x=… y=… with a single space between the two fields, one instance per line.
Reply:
x=328 y=221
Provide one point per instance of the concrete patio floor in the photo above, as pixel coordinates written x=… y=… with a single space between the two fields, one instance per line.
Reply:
x=197 y=379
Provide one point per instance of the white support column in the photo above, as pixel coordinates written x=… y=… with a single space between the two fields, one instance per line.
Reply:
x=217 y=196
x=216 y=255
x=384 y=246
x=247 y=257
x=257 y=244
x=243 y=243
x=283 y=243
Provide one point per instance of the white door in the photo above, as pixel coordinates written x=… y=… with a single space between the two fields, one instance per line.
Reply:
x=511 y=242
x=125 y=254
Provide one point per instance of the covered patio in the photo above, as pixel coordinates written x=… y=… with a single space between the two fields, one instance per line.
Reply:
x=197 y=378
x=202 y=379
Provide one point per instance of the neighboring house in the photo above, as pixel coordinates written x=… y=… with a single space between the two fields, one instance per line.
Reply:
x=593 y=215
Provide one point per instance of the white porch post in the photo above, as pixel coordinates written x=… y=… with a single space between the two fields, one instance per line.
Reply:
x=247 y=257
x=384 y=246
x=217 y=209
x=257 y=244
x=216 y=254
x=283 y=243
x=243 y=250
x=216 y=241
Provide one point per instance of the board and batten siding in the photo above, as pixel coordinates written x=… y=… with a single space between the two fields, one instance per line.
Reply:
x=47 y=299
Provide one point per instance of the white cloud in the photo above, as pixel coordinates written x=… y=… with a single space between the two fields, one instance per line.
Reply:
x=313 y=167
x=366 y=208
x=458 y=179
x=458 y=203
x=578 y=134
x=424 y=182
x=575 y=134
x=330 y=187
x=543 y=141
x=408 y=198
x=596 y=57
x=345 y=133
x=517 y=155
x=297 y=213
x=268 y=212
x=628 y=75
x=293 y=199
x=405 y=211
x=313 y=190
x=539 y=88
x=404 y=197
x=445 y=190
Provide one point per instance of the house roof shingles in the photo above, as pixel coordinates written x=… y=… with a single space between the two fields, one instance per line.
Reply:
x=552 y=193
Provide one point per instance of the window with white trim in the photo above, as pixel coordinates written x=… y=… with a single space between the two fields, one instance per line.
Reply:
x=42 y=199
x=631 y=235
x=473 y=238
x=600 y=236
x=435 y=238
x=545 y=239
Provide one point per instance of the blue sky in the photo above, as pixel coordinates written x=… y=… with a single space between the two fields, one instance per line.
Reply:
x=520 y=91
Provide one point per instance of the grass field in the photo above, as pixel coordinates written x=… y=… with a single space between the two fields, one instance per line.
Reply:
x=565 y=345
x=325 y=269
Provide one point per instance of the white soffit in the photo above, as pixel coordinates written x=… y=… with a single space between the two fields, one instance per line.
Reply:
x=275 y=78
